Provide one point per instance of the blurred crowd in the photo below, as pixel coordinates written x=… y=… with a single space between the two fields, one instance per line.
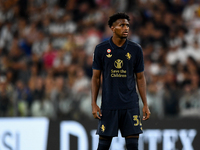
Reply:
x=46 y=54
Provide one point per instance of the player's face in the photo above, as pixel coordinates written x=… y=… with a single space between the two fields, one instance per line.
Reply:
x=121 y=28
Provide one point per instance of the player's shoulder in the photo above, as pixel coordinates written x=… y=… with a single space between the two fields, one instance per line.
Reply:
x=134 y=44
x=103 y=44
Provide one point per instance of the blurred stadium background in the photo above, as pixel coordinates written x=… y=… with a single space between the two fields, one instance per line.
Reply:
x=46 y=50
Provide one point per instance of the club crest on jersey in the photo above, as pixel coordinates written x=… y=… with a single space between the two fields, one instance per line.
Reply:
x=109 y=55
x=108 y=50
x=128 y=55
x=103 y=128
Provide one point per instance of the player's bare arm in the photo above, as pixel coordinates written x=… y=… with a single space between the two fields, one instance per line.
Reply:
x=95 y=90
x=141 y=84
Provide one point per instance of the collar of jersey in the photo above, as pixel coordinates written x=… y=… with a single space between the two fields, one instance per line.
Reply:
x=115 y=46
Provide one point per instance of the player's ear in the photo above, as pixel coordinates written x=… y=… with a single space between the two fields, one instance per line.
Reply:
x=112 y=28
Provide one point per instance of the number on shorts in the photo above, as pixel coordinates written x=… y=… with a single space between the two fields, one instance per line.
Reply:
x=138 y=121
x=135 y=118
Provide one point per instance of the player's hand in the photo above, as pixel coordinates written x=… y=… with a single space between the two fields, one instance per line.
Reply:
x=95 y=111
x=146 y=112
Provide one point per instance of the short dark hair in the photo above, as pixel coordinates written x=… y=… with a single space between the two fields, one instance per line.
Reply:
x=117 y=16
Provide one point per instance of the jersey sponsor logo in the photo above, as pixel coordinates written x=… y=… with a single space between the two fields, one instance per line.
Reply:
x=109 y=55
x=128 y=55
x=103 y=128
x=108 y=50
x=118 y=63
x=118 y=73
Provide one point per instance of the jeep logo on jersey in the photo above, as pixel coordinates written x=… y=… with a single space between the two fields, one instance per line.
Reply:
x=118 y=63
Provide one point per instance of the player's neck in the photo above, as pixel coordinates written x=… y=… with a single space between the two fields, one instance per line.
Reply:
x=118 y=41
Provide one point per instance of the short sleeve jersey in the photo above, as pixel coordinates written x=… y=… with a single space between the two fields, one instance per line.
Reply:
x=118 y=66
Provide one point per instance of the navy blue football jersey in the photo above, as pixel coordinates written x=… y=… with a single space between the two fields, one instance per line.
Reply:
x=118 y=66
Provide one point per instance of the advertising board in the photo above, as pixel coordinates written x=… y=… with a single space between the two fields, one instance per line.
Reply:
x=43 y=134
x=23 y=133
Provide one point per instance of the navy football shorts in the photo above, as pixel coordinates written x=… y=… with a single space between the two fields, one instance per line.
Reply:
x=128 y=121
